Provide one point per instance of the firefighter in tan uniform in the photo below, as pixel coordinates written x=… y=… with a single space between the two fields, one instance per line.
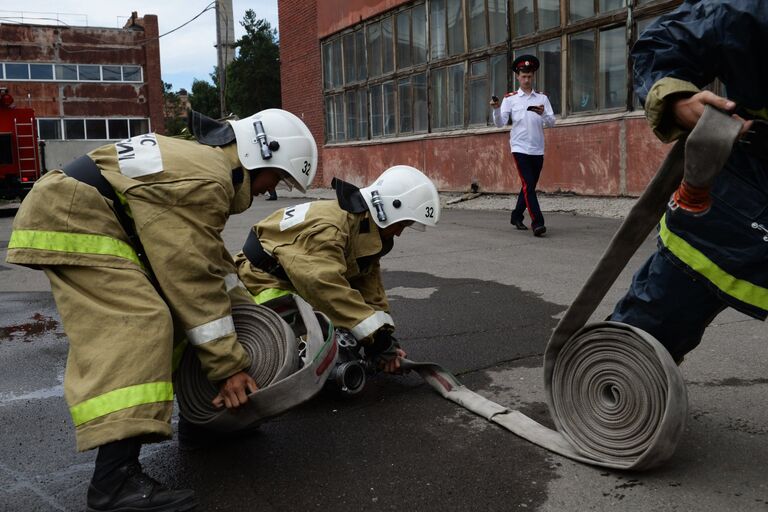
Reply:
x=133 y=279
x=328 y=253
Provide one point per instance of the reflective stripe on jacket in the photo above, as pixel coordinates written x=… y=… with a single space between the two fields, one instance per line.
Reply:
x=179 y=194
x=680 y=53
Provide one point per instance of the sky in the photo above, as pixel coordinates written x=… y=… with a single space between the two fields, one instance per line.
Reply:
x=185 y=54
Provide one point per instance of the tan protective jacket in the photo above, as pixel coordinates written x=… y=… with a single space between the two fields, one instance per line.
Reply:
x=331 y=257
x=180 y=194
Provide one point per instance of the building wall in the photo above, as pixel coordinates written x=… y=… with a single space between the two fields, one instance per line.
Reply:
x=136 y=44
x=603 y=155
x=300 y=67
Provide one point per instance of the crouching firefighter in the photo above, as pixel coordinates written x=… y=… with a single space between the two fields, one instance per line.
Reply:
x=328 y=252
x=129 y=237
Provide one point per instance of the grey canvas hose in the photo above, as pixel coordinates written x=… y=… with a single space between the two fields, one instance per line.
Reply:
x=290 y=364
x=616 y=396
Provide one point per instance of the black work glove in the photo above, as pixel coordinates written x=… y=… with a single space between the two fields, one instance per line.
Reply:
x=384 y=346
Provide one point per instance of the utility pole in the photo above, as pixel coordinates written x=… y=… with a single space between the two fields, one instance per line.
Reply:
x=225 y=51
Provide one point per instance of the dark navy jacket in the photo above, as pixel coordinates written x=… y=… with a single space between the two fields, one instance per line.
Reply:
x=685 y=50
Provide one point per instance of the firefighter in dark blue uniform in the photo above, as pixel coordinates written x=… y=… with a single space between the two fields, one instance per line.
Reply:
x=719 y=259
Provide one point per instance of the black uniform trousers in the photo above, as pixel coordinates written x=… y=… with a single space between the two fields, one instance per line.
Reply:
x=529 y=170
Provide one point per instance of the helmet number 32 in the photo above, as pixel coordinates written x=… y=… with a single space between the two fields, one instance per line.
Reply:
x=429 y=212
x=306 y=168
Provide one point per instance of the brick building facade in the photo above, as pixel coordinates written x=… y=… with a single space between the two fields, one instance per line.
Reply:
x=385 y=82
x=86 y=85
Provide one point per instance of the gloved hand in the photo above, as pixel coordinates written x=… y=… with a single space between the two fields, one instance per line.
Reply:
x=384 y=351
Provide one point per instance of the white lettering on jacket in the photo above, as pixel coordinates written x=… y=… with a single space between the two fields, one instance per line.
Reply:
x=139 y=156
x=294 y=215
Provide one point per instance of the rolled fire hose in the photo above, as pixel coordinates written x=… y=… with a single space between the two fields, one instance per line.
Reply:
x=617 y=398
x=290 y=364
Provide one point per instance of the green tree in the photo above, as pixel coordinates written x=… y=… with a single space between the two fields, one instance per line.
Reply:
x=174 y=114
x=253 y=77
x=205 y=97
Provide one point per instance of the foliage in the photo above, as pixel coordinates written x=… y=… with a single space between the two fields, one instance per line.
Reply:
x=174 y=111
x=205 y=97
x=253 y=77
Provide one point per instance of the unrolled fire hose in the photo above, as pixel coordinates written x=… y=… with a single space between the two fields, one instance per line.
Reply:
x=617 y=398
x=290 y=364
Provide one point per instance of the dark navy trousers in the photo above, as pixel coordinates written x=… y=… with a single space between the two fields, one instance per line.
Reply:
x=529 y=170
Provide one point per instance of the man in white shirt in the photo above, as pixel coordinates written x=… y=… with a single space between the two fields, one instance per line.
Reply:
x=530 y=112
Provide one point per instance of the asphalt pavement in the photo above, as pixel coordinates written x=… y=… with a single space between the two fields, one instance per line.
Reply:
x=474 y=295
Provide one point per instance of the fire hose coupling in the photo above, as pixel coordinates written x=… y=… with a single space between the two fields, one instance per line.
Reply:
x=350 y=373
x=692 y=200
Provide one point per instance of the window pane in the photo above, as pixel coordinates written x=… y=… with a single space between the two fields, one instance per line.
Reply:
x=420 y=113
x=439 y=86
x=456 y=95
x=377 y=111
x=549 y=14
x=455 y=27
x=348 y=50
x=550 y=75
x=111 y=73
x=41 y=71
x=2 y=73
x=350 y=99
x=612 y=5
x=88 y=72
x=478 y=102
x=131 y=74
x=419 y=34
x=405 y=98
x=15 y=71
x=118 y=129
x=390 y=107
x=330 y=130
x=74 y=129
x=497 y=20
x=362 y=97
x=404 y=39
x=523 y=12
x=338 y=111
x=95 y=129
x=374 y=49
x=362 y=72
x=327 y=58
x=438 y=39
x=139 y=127
x=6 y=149
x=49 y=129
x=336 y=64
x=613 y=68
x=581 y=9
x=388 y=58
x=582 y=64
x=477 y=37
x=499 y=75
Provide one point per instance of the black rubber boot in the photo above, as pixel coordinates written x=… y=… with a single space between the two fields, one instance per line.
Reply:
x=119 y=484
x=129 y=489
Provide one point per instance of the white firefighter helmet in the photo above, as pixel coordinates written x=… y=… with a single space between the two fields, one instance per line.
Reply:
x=276 y=138
x=403 y=193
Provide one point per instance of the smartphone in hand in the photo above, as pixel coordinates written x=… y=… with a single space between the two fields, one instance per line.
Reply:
x=495 y=98
x=532 y=108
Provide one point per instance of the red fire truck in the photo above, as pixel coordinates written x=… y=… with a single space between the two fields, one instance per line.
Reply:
x=19 y=152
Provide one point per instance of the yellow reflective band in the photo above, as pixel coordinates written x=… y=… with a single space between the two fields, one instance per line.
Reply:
x=269 y=294
x=72 y=242
x=120 y=399
x=737 y=288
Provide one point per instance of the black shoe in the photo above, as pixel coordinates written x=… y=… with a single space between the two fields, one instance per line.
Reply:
x=271 y=198
x=518 y=224
x=539 y=231
x=128 y=488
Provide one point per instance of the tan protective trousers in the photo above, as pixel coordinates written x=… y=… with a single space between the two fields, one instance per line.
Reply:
x=118 y=375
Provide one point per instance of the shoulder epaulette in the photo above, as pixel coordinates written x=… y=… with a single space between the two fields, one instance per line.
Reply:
x=510 y=94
